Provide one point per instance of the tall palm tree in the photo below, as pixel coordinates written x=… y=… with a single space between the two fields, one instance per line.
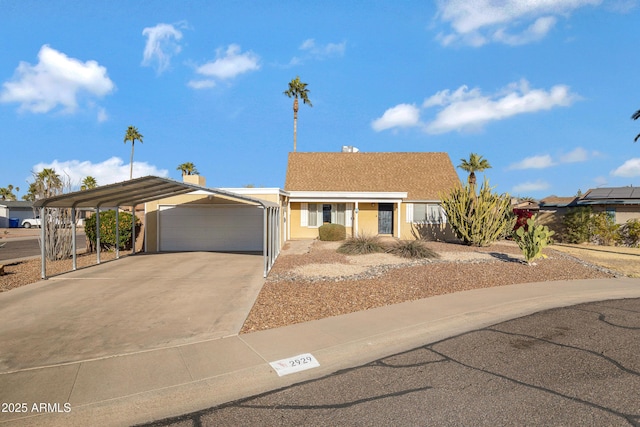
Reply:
x=297 y=89
x=48 y=182
x=88 y=183
x=131 y=135
x=6 y=193
x=636 y=116
x=475 y=164
x=187 y=168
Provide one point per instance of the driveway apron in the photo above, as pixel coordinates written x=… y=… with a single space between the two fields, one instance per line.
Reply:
x=137 y=303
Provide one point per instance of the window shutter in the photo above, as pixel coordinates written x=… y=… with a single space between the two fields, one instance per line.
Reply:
x=409 y=212
x=304 y=214
x=349 y=215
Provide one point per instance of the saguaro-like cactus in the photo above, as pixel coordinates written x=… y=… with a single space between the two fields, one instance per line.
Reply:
x=533 y=240
x=481 y=219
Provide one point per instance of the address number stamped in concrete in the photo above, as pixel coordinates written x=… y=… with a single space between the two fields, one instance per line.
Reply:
x=294 y=364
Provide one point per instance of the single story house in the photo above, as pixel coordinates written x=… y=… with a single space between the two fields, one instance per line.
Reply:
x=388 y=194
x=622 y=203
x=19 y=210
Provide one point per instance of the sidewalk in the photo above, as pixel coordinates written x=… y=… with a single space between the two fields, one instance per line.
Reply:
x=150 y=385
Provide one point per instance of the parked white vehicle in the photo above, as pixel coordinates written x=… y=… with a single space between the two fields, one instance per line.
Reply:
x=31 y=222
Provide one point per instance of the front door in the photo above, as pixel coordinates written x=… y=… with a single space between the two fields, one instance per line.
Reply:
x=385 y=218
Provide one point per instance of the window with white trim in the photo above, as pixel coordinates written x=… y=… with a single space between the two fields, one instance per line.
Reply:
x=426 y=213
x=316 y=214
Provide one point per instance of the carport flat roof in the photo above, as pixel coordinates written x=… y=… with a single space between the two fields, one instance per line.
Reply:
x=135 y=192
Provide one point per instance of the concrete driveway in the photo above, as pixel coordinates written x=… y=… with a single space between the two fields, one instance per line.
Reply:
x=137 y=303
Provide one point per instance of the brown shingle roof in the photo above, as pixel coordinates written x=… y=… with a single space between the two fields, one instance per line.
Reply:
x=422 y=175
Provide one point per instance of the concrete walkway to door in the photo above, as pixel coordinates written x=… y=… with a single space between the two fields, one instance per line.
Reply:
x=137 y=303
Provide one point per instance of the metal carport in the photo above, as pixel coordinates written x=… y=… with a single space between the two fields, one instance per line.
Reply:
x=147 y=189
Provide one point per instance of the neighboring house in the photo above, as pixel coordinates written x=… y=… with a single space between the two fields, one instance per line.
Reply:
x=622 y=203
x=552 y=209
x=389 y=194
x=19 y=210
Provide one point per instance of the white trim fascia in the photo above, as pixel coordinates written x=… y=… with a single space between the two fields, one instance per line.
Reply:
x=252 y=190
x=423 y=201
x=299 y=196
x=346 y=200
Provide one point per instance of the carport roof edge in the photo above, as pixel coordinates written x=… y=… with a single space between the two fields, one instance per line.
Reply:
x=134 y=192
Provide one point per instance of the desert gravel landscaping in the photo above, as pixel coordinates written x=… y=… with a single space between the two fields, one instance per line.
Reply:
x=323 y=283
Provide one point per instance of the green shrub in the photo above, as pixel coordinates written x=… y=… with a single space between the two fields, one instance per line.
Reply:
x=332 y=232
x=577 y=225
x=532 y=239
x=604 y=229
x=478 y=220
x=412 y=249
x=630 y=233
x=108 y=230
x=361 y=245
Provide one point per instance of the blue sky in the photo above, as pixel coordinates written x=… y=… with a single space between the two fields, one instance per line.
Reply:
x=543 y=89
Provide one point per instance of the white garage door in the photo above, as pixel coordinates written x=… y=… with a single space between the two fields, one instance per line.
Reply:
x=207 y=228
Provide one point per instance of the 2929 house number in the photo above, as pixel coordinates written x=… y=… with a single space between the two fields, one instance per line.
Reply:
x=293 y=364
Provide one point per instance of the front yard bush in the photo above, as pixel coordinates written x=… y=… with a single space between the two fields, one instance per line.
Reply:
x=412 y=249
x=577 y=225
x=361 y=245
x=108 y=230
x=630 y=233
x=332 y=232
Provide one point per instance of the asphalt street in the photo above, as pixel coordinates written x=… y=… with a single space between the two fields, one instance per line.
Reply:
x=23 y=247
x=571 y=366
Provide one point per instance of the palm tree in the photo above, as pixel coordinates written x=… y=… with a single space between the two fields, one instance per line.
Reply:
x=636 y=116
x=6 y=193
x=131 y=135
x=88 y=183
x=475 y=164
x=187 y=168
x=31 y=193
x=48 y=182
x=297 y=89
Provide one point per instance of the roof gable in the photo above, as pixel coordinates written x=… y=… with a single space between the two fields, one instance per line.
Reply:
x=422 y=175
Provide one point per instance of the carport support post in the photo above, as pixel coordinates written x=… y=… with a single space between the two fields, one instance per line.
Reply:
x=264 y=240
x=73 y=238
x=98 y=234
x=117 y=232
x=43 y=235
x=133 y=230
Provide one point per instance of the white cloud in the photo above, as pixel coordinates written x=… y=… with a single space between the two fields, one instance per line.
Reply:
x=529 y=186
x=535 y=32
x=162 y=44
x=402 y=115
x=466 y=109
x=577 y=155
x=317 y=52
x=628 y=169
x=56 y=80
x=480 y=21
x=323 y=51
x=102 y=115
x=534 y=162
x=201 y=84
x=107 y=172
x=229 y=63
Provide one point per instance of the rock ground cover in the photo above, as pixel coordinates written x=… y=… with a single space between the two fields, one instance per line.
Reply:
x=323 y=283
